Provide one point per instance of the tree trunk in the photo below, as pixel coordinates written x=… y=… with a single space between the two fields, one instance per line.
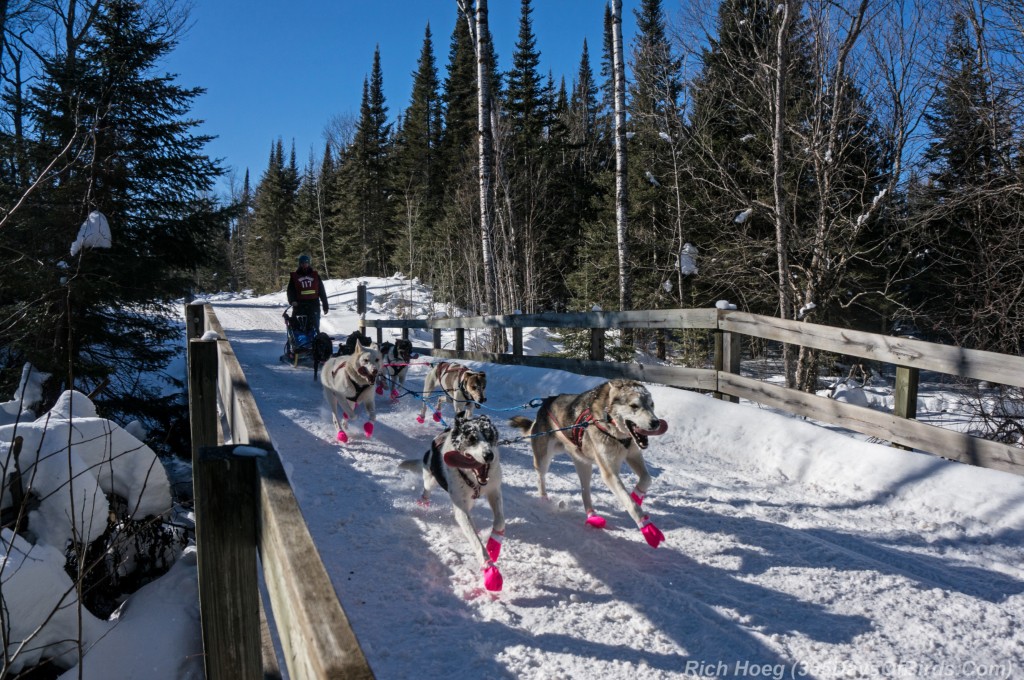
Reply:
x=621 y=198
x=778 y=179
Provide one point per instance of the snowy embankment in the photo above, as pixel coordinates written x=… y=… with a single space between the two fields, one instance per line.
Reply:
x=791 y=550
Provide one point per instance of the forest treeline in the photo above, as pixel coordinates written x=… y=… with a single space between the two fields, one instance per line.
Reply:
x=855 y=162
x=851 y=162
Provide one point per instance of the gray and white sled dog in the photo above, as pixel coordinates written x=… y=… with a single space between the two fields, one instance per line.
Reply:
x=396 y=357
x=463 y=461
x=348 y=381
x=463 y=387
x=610 y=424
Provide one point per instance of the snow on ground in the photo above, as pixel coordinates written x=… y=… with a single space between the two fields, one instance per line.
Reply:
x=791 y=550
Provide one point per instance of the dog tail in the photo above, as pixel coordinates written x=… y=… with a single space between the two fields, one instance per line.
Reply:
x=522 y=423
x=412 y=465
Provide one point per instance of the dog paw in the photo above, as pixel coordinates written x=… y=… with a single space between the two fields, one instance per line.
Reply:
x=419 y=419
x=394 y=394
x=494 y=546
x=437 y=416
x=492 y=579
x=380 y=389
x=596 y=521
x=652 y=534
x=637 y=497
x=368 y=429
x=423 y=502
x=342 y=437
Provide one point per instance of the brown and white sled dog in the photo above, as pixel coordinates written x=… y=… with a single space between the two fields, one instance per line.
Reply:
x=460 y=385
x=396 y=357
x=348 y=381
x=463 y=460
x=610 y=424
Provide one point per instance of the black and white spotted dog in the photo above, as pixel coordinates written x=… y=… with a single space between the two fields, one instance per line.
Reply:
x=395 y=358
x=463 y=461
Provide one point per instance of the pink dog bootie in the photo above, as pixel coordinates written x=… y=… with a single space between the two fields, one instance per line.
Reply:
x=595 y=520
x=380 y=389
x=652 y=534
x=394 y=394
x=492 y=579
x=419 y=419
x=342 y=437
x=637 y=495
x=368 y=429
x=494 y=544
x=437 y=416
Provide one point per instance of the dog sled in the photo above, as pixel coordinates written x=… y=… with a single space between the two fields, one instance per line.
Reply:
x=302 y=330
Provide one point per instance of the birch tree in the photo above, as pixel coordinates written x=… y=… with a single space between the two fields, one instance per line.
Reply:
x=621 y=197
x=476 y=16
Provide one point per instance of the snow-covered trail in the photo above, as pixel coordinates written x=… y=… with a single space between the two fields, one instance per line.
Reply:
x=791 y=551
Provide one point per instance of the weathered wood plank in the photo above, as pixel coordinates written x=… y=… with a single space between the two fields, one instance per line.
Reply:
x=315 y=633
x=225 y=501
x=675 y=376
x=405 y=324
x=930 y=356
x=655 y=318
x=918 y=435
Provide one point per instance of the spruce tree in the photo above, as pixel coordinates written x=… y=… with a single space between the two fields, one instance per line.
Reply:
x=275 y=206
x=974 y=201
x=656 y=192
x=418 y=171
x=366 y=182
x=133 y=156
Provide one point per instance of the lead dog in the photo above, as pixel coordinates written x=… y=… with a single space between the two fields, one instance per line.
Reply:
x=463 y=460
x=463 y=387
x=396 y=357
x=348 y=381
x=605 y=426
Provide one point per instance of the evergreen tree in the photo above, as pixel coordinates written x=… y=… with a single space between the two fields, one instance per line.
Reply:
x=366 y=182
x=974 y=201
x=418 y=171
x=275 y=206
x=656 y=193
x=132 y=156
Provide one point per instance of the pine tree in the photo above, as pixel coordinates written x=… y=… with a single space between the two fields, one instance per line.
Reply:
x=418 y=171
x=972 y=219
x=275 y=206
x=134 y=157
x=366 y=182
x=656 y=193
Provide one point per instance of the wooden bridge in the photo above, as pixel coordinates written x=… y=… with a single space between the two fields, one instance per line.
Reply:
x=245 y=508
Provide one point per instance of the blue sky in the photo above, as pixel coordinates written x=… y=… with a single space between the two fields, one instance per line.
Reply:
x=284 y=69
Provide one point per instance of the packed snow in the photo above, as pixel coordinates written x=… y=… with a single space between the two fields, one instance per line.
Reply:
x=791 y=550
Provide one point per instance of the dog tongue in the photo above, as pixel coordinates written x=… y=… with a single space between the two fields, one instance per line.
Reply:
x=661 y=429
x=457 y=459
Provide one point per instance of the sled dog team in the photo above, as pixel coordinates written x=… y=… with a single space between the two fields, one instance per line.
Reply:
x=605 y=427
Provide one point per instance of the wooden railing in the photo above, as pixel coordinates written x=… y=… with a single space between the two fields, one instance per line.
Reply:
x=244 y=507
x=724 y=379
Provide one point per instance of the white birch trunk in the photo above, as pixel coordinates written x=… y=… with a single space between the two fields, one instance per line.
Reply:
x=621 y=198
x=479 y=32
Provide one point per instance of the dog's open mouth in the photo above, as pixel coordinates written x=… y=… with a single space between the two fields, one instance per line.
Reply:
x=457 y=459
x=640 y=436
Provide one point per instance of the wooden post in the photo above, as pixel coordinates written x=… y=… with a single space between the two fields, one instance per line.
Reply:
x=229 y=599
x=727 y=358
x=905 y=404
x=437 y=338
x=195 y=320
x=202 y=393
x=659 y=347
x=405 y=332
x=380 y=336
x=597 y=344
x=460 y=339
x=517 y=341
